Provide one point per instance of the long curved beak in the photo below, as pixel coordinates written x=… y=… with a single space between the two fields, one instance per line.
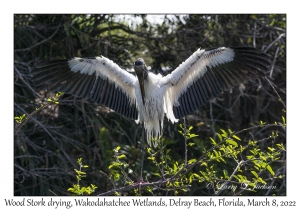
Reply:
x=142 y=87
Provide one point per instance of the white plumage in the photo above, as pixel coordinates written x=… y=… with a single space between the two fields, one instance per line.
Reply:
x=148 y=97
x=106 y=69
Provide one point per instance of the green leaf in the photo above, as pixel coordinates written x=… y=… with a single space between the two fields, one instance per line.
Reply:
x=204 y=164
x=224 y=133
x=249 y=157
x=115 y=164
x=213 y=141
x=216 y=153
x=283 y=121
x=255 y=174
x=156 y=174
x=121 y=156
x=220 y=137
x=261 y=180
x=270 y=170
x=116 y=177
x=117 y=148
x=197 y=176
x=191 y=144
x=222 y=159
x=261 y=123
x=79 y=161
x=236 y=177
x=228 y=141
x=225 y=174
x=79 y=172
x=205 y=176
x=191 y=161
x=151 y=158
x=193 y=135
x=236 y=137
x=241 y=177
x=191 y=179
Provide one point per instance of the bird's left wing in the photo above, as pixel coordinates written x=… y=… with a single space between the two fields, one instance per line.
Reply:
x=98 y=79
x=206 y=73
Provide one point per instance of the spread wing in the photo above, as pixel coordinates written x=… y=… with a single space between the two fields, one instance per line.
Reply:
x=98 y=79
x=207 y=73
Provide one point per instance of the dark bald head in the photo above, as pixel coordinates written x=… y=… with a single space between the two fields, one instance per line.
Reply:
x=139 y=62
x=140 y=67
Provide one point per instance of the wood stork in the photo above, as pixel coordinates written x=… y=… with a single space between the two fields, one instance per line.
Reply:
x=148 y=97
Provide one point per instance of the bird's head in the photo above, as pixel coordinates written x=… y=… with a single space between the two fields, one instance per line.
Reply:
x=140 y=67
x=141 y=71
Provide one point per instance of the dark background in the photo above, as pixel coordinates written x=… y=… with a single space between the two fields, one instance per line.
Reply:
x=47 y=147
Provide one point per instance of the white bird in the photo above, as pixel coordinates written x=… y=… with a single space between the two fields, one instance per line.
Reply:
x=148 y=97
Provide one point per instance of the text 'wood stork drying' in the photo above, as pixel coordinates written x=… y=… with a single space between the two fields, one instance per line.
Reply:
x=148 y=97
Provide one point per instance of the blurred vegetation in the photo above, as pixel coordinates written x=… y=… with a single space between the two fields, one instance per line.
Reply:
x=48 y=145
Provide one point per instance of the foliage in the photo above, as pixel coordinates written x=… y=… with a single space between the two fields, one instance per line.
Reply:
x=48 y=141
x=77 y=189
x=253 y=172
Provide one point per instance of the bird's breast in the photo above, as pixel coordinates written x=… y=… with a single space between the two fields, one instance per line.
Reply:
x=153 y=109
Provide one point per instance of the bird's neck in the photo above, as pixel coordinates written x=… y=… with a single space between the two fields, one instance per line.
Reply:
x=145 y=75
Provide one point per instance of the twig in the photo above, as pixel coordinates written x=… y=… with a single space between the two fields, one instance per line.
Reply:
x=254 y=35
x=233 y=173
x=19 y=126
x=271 y=185
x=39 y=43
x=276 y=92
x=211 y=116
x=185 y=142
x=108 y=179
x=52 y=192
x=270 y=45
x=133 y=186
x=273 y=63
x=21 y=77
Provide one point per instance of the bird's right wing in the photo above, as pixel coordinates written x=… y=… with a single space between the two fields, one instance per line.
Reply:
x=206 y=73
x=98 y=79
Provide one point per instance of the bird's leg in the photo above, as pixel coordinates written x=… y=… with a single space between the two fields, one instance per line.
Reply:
x=143 y=150
x=161 y=152
x=185 y=142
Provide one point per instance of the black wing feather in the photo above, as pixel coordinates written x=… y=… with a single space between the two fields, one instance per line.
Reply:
x=248 y=63
x=57 y=76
